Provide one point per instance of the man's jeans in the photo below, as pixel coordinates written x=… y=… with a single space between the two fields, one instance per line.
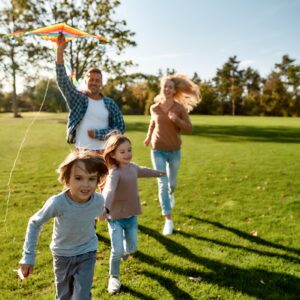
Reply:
x=167 y=161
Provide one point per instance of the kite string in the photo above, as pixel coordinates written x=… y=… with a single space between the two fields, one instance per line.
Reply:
x=18 y=154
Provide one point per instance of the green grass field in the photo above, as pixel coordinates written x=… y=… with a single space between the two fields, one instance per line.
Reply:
x=236 y=215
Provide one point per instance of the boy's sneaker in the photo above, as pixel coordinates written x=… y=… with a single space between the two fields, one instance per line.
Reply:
x=114 y=285
x=172 y=200
x=168 y=228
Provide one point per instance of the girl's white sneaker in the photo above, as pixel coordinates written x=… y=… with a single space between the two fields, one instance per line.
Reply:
x=114 y=285
x=168 y=228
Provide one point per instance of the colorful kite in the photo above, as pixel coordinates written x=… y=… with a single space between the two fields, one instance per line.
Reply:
x=51 y=33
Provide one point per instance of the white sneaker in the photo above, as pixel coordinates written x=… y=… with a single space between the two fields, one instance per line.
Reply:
x=168 y=228
x=172 y=200
x=114 y=285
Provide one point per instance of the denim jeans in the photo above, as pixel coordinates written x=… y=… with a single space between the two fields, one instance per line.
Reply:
x=167 y=161
x=74 y=276
x=123 y=239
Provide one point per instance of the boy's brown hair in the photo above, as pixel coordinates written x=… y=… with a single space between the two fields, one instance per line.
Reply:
x=92 y=161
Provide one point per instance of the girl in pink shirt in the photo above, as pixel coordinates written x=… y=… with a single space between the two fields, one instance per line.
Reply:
x=122 y=202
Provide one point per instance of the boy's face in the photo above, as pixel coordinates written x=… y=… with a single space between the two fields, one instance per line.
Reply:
x=82 y=184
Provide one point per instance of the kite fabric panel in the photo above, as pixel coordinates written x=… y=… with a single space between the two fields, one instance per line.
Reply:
x=51 y=33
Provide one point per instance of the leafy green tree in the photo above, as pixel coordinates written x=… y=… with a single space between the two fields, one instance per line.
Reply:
x=252 y=92
x=14 y=54
x=5 y=102
x=153 y=86
x=96 y=17
x=290 y=76
x=209 y=104
x=135 y=98
x=34 y=95
x=135 y=92
x=228 y=83
x=275 y=98
x=196 y=79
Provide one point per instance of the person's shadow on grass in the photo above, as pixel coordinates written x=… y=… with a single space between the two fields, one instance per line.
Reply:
x=177 y=292
x=289 y=258
x=238 y=133
x=170 y=285
x=249 y=237
x=252 y=281
x=128 y=290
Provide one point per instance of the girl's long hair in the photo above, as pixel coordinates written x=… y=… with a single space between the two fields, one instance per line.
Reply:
x=186 y=91
x=113 y=142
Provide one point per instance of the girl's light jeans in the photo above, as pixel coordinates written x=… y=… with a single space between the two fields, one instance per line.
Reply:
x=167 y=161
x=123 y=239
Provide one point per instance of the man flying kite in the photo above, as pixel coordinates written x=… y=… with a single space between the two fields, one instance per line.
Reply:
x=92 y=116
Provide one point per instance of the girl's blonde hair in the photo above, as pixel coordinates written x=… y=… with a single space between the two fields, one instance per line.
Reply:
x=113 y=142
x=92 y=161
x=187 y=93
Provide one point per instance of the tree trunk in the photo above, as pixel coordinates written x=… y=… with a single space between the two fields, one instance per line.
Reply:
x=15 y=107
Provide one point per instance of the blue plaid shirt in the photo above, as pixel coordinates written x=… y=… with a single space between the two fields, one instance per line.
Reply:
x=78 y=103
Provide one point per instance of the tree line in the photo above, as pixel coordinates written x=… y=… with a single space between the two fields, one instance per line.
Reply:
x=232 y=91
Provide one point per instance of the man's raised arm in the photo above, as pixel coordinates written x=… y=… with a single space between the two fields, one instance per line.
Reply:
x=61 y=46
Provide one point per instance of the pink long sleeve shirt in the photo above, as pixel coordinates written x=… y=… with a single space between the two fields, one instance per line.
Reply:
x=121 y=190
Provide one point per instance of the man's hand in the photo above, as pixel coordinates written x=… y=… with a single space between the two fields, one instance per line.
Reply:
x=91 y=134
x=61 y=42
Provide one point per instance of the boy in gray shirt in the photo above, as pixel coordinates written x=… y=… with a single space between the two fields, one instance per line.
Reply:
x=74 y=241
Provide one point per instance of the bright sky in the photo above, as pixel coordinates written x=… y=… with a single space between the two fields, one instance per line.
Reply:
x=200 y=35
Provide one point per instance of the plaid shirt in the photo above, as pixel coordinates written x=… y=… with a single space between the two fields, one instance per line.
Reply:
x=78 y=103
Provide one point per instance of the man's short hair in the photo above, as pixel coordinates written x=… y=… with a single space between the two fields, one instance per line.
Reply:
x=93 y=70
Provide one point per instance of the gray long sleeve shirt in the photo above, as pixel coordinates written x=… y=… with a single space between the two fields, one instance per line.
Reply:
x=73 y=228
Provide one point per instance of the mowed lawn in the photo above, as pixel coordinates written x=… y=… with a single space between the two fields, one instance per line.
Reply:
x=237 y=211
